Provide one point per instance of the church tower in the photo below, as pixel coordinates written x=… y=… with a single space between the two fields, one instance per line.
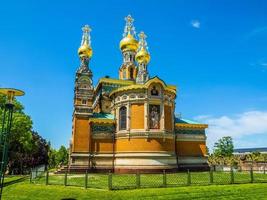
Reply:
x=142 y=57
x=84 y=90
x=128 y=46
x=83 y=100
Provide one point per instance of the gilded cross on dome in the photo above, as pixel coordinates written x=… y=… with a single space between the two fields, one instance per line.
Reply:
x=86 y=35
x=86 y=29
x=129 y=28
x=129 y=19
x=142 y=40
x=142 y=35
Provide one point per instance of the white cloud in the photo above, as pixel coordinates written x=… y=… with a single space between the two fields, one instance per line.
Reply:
x=263 y=64
x=237 y=126
x=257 y=31
x=260 y=64
x=195 y=23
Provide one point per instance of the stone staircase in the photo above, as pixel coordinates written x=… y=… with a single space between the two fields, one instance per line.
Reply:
x=81 y=169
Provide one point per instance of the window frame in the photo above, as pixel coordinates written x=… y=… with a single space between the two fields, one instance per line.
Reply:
x=123 y=118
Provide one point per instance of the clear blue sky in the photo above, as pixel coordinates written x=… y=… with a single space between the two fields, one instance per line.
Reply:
x=215 y=52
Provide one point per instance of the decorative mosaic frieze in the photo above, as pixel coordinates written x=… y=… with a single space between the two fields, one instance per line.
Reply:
x=97 y=128
x=178 y=131
x=101 y=135
x=191 y=137
x=145 y=135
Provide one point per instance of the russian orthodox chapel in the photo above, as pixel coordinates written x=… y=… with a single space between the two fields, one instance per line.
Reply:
x=128 y=124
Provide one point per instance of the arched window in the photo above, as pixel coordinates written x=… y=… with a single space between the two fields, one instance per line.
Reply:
x=123 y=118
x=154 y=91
x=131 y=73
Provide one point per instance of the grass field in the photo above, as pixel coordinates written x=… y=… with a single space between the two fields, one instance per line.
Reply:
x=23 y=190
x=126 y=181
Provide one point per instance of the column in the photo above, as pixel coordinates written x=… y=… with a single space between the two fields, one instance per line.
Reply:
x=162 y=120
x=173 y=119
x=117 y=118
x=146 y=125
x=128 y=116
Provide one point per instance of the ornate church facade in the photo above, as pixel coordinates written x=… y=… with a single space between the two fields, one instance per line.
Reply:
x=128 y=124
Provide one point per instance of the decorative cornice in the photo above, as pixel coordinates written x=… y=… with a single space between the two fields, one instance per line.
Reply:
x=191 y=126
x=102 y=135
x=191 y=137
x=105 y=121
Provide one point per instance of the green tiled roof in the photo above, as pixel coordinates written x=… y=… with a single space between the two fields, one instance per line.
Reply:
x=103 y=116
x=185 y=121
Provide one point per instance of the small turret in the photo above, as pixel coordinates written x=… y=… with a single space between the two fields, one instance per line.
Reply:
x=142 y=57
x=128 y=47
x=83 y=81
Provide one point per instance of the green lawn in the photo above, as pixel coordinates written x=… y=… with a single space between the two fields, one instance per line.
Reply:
x=25 y=190
x=124 y=181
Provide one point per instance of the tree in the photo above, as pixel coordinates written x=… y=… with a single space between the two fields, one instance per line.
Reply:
x=26 y=147
x=52 y=157
x=254 y=156
x=62 y=156
x=224 y=147
x=22 y=159
x=58 y=157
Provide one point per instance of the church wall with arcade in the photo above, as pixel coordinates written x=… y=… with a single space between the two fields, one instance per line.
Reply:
x=147 y=109
x=137 y=116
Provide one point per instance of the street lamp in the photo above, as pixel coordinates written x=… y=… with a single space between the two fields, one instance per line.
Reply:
x=6 y=127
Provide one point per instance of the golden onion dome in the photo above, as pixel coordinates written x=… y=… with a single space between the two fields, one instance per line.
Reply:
x=85 y=51
x=129 y=43
x=142 y=56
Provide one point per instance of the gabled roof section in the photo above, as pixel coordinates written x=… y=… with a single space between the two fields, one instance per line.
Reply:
x=186 y=123
x=103 y=116
x=111 y=81
x=156 y=79
x=116 y=81
x=170 y=88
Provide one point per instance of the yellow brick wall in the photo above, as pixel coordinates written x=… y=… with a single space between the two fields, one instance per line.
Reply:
x=137 y=116
x=81 y=135
x=102 y=146
x=144 y=145
x=191 y=148
x=168 y=117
